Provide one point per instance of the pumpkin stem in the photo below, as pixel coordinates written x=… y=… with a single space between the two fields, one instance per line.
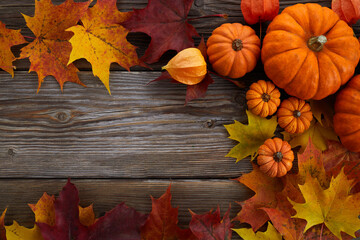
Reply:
x=317 y=43
x=278 y=156
x=265 y=97
x=297 y=113
x=237 y=45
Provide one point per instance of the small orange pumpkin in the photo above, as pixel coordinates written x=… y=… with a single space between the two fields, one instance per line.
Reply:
x=263 y=98
x=294 y=115
x=309 y=52
x=347 y=115
x=233 y=49
x=275 y=157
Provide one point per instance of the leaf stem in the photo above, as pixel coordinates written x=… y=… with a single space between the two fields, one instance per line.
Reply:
x=321 y=232
x=29 y=37
x=214 y=15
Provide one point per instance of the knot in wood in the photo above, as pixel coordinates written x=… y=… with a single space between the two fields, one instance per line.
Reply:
x=62 y=117
x=11 y=152
x=210 y=123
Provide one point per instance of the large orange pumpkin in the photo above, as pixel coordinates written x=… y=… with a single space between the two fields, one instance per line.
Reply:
x=347 y=115
x=233 y=49
x=309 y=52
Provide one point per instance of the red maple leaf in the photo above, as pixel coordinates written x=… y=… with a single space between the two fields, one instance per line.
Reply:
x=120 y=223
x=163 y=220
x=167 y=24
x=210 y=226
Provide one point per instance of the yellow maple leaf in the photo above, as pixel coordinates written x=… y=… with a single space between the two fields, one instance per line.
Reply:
x=102 y=40
x=8 y=38
x=44 y=211
x=248 y=233
x=251 y=136
x=318 y=134
x=334 y=206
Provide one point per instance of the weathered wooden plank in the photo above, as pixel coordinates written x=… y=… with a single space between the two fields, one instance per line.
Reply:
x=138 y=132
x=198 y=195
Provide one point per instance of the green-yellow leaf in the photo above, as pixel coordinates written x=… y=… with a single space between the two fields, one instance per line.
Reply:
x=248 y=233
x=334 y=206
x=318 y=134
x=251 y=136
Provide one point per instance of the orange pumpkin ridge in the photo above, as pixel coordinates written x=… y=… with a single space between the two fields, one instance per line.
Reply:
x=347 y=115
x=233 y=49
x=309 y=52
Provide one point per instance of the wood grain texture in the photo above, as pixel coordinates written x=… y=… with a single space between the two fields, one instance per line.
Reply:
x=141 y=131
x=198 y=195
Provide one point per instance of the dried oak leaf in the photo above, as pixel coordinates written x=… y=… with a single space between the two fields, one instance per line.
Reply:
x=255 y=11
x=248 y=234
x=49 y=52
x=121 y=222
x=266 y=190
x=166 y=22
x=348 y=10
x=101 y=40
x=162 y=221
x=251 y=136
x=318 y=133
x=211 y=226
x=334 y=206
x=8 y=38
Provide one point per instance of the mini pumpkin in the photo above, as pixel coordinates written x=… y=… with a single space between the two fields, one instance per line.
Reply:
x=233 y=49
x=347 y=115
x=263 y=98
x=275 y=157
x=294 y=115
x=309 y=52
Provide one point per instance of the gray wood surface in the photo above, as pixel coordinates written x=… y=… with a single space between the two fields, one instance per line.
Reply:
x=141 y=131
x=126 y=146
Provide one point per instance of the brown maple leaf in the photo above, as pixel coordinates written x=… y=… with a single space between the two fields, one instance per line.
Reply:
x=167 y=24
x=8 y=38
x=49 y=52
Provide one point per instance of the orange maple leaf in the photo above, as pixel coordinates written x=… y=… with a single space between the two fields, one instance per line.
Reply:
x=49 y=52
x=102 y=40
x=8 y=38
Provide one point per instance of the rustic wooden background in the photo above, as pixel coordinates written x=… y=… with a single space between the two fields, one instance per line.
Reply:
x=127 y=146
